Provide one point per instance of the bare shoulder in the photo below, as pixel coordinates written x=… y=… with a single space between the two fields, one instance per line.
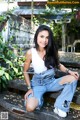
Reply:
x=29 y=54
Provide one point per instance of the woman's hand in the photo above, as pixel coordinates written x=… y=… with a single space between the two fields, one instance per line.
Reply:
x=28 y=93
x=75 y=74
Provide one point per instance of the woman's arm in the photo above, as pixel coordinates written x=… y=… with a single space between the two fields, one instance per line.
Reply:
x=26 y=76
x=26 y=67
x=64 y=69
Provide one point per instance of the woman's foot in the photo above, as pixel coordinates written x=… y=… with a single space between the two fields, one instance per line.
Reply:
x=60 y=112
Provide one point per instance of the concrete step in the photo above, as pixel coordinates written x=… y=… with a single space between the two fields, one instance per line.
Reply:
x=14 y=104
x=20 y=86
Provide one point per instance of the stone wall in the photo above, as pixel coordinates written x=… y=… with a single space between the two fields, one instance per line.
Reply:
x=20 y=32
x=69 y=57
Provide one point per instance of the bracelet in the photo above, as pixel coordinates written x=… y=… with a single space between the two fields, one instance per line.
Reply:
x=67 y=71
x=29 y=87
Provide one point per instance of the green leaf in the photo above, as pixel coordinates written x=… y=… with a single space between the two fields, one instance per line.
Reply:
x=15 y=69
x=9 y=62
x=1 y=72
x=7 y=75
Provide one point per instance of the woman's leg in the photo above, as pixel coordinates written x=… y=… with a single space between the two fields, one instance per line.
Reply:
x=64 y=99
x=37 y=99
x=68 y=84
x=31 y=104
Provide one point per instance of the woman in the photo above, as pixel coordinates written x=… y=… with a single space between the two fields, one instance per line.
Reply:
x=44 y=58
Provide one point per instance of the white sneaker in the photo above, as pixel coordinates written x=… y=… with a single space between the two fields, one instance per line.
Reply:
x=60 y=112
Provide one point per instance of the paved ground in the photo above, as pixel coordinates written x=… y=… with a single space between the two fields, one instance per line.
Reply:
x=11 y=115
x=9 y=100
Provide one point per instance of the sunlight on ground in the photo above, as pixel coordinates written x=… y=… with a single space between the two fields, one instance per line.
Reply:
x=75 y=106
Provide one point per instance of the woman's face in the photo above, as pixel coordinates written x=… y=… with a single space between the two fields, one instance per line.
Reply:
x=42 y=38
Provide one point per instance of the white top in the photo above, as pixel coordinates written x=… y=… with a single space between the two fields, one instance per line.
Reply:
x=37 y=62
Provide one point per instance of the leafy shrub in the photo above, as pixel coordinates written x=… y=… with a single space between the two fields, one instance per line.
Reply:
x=10 y=64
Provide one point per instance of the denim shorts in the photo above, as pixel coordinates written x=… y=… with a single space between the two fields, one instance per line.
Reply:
x=44 y=82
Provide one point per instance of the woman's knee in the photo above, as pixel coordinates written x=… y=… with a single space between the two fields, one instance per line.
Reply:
x=31 y=104
x=68 y=79
x=29 y=108
x=74 y=80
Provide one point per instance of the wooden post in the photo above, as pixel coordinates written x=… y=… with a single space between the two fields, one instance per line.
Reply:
x=63 y=37
x=32 y=14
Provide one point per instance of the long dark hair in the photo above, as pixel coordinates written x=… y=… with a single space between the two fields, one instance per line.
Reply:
x=51 y=58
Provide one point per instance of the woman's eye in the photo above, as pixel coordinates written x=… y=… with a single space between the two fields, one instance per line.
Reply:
x=42 y=36
x=47 y=37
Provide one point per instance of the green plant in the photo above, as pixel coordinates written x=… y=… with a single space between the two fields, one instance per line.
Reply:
x=10 y=64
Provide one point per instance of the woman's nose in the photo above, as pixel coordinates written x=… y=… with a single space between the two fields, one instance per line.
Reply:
x=44 y=39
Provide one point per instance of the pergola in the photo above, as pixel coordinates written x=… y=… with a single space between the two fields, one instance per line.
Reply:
x=28 y=9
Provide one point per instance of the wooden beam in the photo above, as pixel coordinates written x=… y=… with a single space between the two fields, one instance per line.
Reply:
x=29 y=3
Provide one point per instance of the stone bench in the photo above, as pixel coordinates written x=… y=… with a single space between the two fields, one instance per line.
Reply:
x=19 y=86
x=71 y=64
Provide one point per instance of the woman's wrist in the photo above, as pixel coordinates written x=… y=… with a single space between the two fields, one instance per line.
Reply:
x=28 y=87
x=67 y=71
